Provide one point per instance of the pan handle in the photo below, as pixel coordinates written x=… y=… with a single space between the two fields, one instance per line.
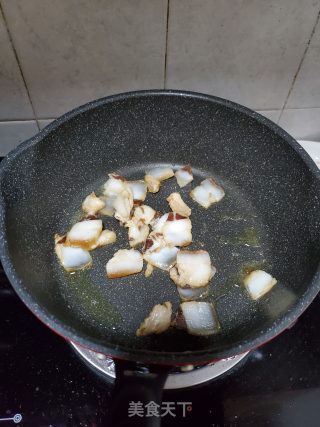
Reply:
x=135 y=387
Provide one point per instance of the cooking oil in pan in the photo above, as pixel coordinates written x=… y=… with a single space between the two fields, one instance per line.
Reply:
x=87 y=296
x=248 y=237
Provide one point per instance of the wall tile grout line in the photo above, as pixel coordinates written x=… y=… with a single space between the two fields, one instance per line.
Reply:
x=19 y=65
x=166 y=47
x=299 y=67
x=291 y=108
x=20 y=120
x=278 y=109
x=27 y=119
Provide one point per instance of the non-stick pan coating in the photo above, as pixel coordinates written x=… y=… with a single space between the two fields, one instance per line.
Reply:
x=269 y=219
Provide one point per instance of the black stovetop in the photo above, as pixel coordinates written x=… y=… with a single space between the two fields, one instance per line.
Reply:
x=42 y=379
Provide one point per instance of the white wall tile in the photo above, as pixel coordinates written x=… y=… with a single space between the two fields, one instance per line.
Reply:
x=14 y=101
x=44 y=122
x=77 y=50
x=313 y=149
x=302 y=123
x=306 y=90
x=271 y=114
x=15 y=132
x=246 y=51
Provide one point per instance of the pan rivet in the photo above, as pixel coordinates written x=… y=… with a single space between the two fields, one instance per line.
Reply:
x=187 y=368
x=101 y=356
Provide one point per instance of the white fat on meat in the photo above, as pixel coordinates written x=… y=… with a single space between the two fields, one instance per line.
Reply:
x=178 y=205
x=190 y=294
x=124 y=263
x=149 y=270
x=144 y=213
x=192 y=269
x=92 y=204
x=119 y=198
x=200 y=318
x=138 y=189
x=155 y=176
x=163 y=257
x=258 y=283
x=158 y=222
x=158 y=320
x=137 y=232
x=161 y=173
x=107 y=208
x=123 y=205
x=107 y=237
x=152 y=183
x=71 y=258
x=184 y=176
x=177 y=230
x=207 y=192
x=115 y=185
x=84 y=234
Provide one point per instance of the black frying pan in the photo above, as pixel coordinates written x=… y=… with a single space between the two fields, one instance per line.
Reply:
x=269 y=219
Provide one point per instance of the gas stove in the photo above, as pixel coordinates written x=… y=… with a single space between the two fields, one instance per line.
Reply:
x=45 y=382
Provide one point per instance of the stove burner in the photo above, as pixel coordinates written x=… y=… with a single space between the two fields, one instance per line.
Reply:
x=186 y=376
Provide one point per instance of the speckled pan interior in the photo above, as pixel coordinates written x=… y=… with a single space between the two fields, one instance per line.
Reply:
x=268 y=219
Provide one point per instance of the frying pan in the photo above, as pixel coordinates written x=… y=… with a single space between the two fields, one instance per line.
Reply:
x=268 y=219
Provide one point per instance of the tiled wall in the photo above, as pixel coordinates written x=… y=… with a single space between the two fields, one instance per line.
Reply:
x=57 y=54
